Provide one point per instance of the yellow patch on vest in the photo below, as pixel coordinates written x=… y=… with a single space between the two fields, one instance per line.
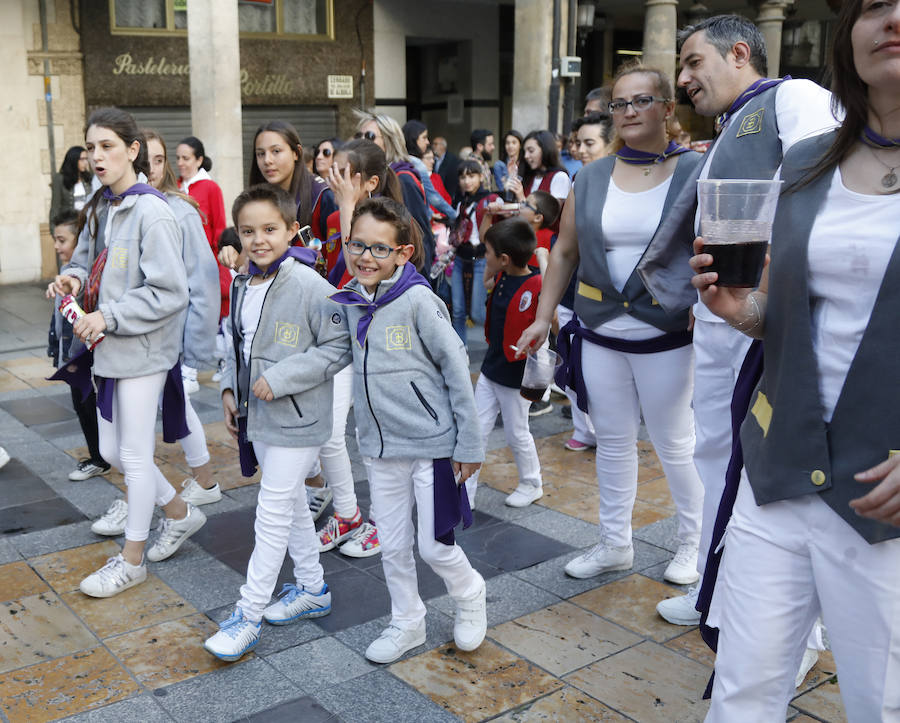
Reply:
x=751 y=124
x=762 y=410
x=118 y=258
x=589 y=292
x=893 y=453
x=398 y=338
x=287 y=334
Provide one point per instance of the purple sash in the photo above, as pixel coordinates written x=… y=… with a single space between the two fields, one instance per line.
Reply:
x=136 y=189
x=301 y=253
x=755 y=89
x=568 y=345
x=77 y=373
x=247 y=454
x=451 y=503
x=626 y=154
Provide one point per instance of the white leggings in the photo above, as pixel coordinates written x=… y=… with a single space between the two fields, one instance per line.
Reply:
x=620 y=386
x=283 y=523
x=335 y=461
x=128 y=443
x=583 y=427
x=196 y=453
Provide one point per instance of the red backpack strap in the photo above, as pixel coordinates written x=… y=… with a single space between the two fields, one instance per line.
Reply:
x=418 y=182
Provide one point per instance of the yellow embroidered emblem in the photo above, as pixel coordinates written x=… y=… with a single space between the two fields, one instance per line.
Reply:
x=287 y=334
x=398 y=338
x=762 y=410
x=893 y=453
x=118 y=258
x=751 y=124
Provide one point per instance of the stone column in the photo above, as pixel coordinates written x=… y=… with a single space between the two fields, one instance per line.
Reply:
x=214 y=56
x=532 y=64
x=770 y=20
x=660 y=28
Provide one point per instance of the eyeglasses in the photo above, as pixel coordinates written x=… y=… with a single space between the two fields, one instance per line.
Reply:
x=368 y=135
x=325 y=152
x=642 y=102
x=378 y=251
x=525 y=204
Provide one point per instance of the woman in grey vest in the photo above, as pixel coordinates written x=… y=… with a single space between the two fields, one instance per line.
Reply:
x=816 y=521
x=624 y=352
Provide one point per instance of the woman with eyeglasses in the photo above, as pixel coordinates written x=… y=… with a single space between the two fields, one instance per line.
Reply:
x=623 y=353
x=324 y=156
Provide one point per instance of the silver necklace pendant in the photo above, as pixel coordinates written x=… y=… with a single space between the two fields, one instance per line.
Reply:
x=889 y=179
x=648 y=169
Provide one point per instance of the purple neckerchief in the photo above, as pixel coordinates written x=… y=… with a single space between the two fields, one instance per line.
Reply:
x=301 y=253
x=627 y=154
x=568 y=345
x=748 y=378
x=451 y=503
x=136 y=189
x=246 y=453
x=876 y=140
x=398 y=166
x=409 y=277
x=174 y=419
x=337 y=271
x=755 y=89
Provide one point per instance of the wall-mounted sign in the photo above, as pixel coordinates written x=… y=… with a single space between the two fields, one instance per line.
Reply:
x=340 y=86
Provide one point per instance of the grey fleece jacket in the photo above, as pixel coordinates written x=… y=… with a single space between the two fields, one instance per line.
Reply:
x=300 y=344
x=412 y=393
x=143 y=290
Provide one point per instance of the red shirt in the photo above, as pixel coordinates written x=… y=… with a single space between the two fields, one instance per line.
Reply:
x=212 y=210
x=544 y=236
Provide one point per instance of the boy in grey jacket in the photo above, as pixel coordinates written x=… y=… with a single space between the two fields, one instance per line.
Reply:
x=289 y=341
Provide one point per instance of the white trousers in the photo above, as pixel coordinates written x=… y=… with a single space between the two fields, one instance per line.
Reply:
x=584 y=428
x=335 y=461
x=621 y=385
x=395 y=484
x=128 y=443
x=196 y=453
x=490 y=399
x=283 y=523
x=719 y=352
x=782 y=563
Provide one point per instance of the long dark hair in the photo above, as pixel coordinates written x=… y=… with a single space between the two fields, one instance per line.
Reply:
x=69 y=168
x=301 y=178
x=412 y=129
x=196 y=145
x=520 y=160
x=123 y=125
x=169 y=183
x=369 y=160
x=549 y=156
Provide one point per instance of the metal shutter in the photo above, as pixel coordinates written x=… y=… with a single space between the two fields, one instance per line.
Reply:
x=171 y=123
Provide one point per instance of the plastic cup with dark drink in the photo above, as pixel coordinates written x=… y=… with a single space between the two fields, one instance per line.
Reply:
x=736 y=225
x=540 y=367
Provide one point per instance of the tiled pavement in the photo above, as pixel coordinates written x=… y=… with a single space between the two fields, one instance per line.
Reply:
x=557 y=648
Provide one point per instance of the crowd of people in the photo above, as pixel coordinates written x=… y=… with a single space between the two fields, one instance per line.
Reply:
x=350 y=276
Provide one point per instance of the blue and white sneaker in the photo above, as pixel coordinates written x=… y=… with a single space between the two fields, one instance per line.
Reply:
x=236 y=636
x=297 y=602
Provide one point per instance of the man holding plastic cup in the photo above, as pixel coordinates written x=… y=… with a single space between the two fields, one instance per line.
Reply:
x=723 y=70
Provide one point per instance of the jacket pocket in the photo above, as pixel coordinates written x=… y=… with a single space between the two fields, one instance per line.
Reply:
x=428 y=408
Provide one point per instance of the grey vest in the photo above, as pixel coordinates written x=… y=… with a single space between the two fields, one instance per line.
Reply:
x=789 y=450
x=749 y=147
x=596 y=299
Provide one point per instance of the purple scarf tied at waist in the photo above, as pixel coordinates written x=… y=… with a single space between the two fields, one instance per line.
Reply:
x=247 y=454
x=451 y=503
x=568 y=345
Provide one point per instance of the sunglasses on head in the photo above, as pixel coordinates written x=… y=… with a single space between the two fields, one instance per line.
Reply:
x=368 y=135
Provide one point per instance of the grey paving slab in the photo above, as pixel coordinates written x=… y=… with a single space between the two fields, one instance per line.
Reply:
x=19 y=485
x=56 y=539
x=655 y=572
x=491 y=502
x=228 y=693
x=142 y=708
x=8 y=552
x=381 y=697
x=558 y=526
x=438 y=631
x=203 y=581
x=508 y=597
x=41 y=515
x=273 y=638
x=509 y=546
x=320 y=663
x=42 y=410
x=663 y=533
x=303 y=709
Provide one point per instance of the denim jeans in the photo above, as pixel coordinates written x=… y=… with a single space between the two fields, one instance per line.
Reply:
x=479 y=296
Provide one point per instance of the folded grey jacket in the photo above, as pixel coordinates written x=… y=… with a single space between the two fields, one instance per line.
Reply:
x=143 y=290
x=301 y=342
x=412 y=393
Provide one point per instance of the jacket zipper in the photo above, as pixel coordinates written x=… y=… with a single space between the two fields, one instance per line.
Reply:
x=255 y=337
x=294 y=402
x=368 y=398
x=428 y=407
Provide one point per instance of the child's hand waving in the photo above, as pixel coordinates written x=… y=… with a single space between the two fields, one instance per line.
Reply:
x=262 y=390
x=344 y=185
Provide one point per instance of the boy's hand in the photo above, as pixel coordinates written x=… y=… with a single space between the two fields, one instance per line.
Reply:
x=262 y=390
x=62 y=285
x=230 y=406
x=229 y=257
x=465 y=470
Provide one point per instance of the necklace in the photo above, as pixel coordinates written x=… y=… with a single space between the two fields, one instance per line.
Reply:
x=889 y=179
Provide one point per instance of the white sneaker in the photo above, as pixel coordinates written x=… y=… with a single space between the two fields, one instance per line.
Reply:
x=683 y=568
x=236 y=636
x=194 y=493
x=470 y=625
x=680 y=610
x=87 y=469
x=112 y=523
x=393 y=642
x=810 y=658
x=318 y=498
x=114 y=577
x=4 y=457
x=602 y=557
x=298 y=602
x=524 y=495
x=173 y=533
x=363 y=544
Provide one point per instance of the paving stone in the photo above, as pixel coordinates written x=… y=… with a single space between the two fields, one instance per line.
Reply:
x=508 y=597
x=491 y=502
x=8 y=551
x=41 y=410
x=574 y=533
x=63 y=537
x=304 y=709
x=510 y=547
x=357 y=597
x=141 y=708
x=203 y=581
x=273 y=638
x=18 y=580
x=663 y=534
x=438 y=630
x=41 y=515
x=380 y=697
x=19 y=485
x=64 y=570
x=320 y=663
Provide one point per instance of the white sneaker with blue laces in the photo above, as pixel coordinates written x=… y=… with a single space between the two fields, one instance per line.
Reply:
x=236 y=636
x=298 y=602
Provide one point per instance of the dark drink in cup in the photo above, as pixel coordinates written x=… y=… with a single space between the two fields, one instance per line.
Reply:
x=738 y=265
x=532 y=394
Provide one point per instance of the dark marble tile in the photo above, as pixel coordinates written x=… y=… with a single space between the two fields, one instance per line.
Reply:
x=303 y=709
x=19 y=486
x=510 y=547
x=38 y=516
x=38 y=410
x=356 y=597
x=430 y=583
x=227 y=531
x=56 y=430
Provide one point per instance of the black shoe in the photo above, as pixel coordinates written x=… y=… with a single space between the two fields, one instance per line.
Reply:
x=567 y=411
x=539 y=408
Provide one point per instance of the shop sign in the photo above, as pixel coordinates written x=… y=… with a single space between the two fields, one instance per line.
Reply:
x=340 y=86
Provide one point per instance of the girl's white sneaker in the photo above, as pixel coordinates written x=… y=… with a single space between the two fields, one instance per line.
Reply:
x=236 y=636
x=115 y=576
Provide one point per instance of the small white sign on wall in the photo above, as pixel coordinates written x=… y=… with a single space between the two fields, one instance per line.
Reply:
x=340 y=86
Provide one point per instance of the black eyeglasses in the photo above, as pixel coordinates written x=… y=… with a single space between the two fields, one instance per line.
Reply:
x=325 y=152
x=378 y=251
x=525 y=204
x=368 y=135
x=642 y=102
